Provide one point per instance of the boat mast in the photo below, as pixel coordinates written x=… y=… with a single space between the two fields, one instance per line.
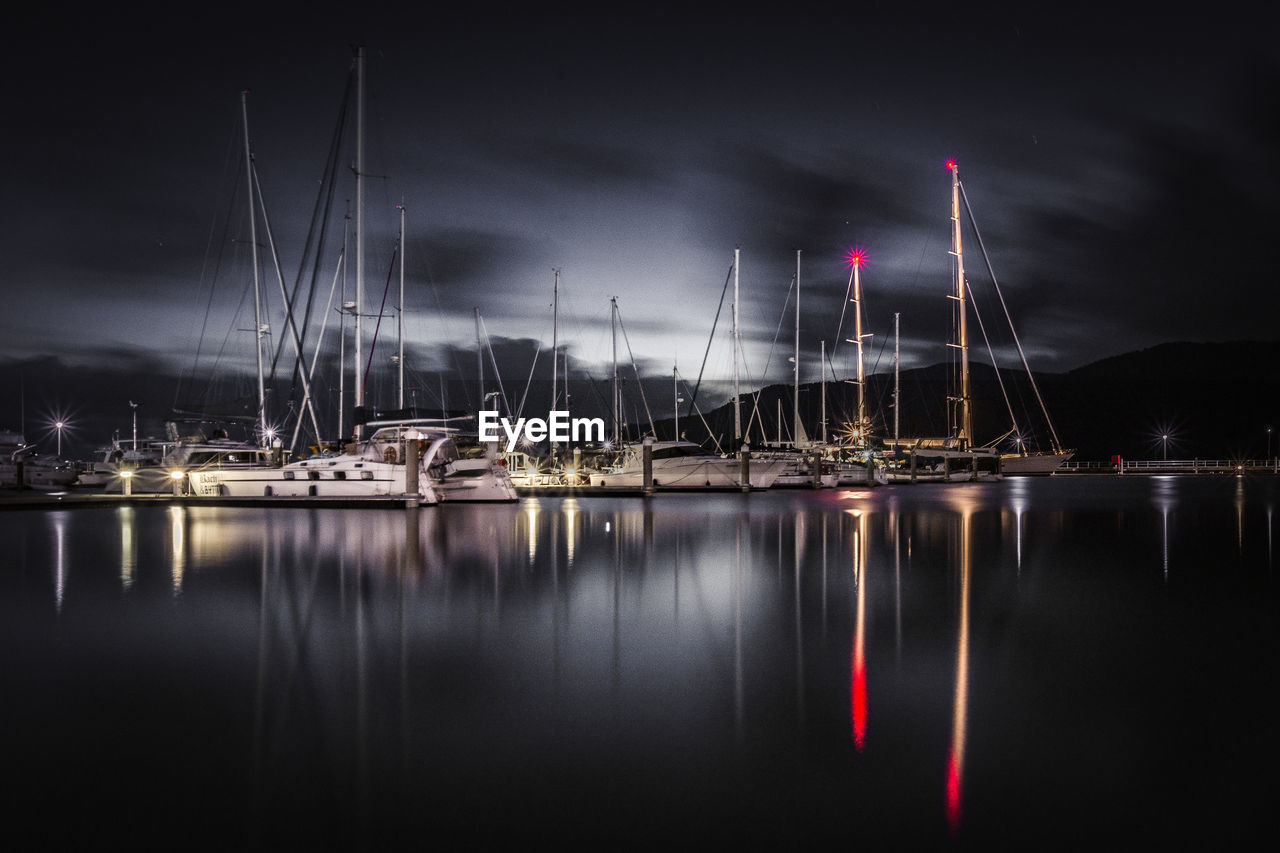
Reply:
x=359 y=400
x=253 y=243
x=479 y=363
x=822 y=376
x=737 y=405
x=342 y=325
x=795 y=413
x=675 y=400
x=400 y=324
x=964 y=424
x=858 y=336
x=896 y=397
x=555 y=344
x=613 y=322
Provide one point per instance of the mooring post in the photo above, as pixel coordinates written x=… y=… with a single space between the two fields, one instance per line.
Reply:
x=913 y=465
x=744 y=468
x=411 y=465
x=946 y=467
x=817 y=469
x=646 y=464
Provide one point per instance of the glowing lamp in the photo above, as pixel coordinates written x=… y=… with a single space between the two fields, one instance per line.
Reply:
x=951 y=165
x=176 y=475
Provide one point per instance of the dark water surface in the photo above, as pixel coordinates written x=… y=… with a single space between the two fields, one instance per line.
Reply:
x=1051 y=662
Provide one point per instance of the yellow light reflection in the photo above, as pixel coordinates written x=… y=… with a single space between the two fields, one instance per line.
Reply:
x=531 y=508
x=571 y=510
x=128 y=547
x=178 y=546
x=955 y=761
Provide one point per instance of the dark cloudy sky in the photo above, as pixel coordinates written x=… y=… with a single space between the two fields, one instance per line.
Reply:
x=1119 y=164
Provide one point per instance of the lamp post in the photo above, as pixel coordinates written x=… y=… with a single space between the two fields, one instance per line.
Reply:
x=1164 y=440
x=58 y=425
x=1268 y=442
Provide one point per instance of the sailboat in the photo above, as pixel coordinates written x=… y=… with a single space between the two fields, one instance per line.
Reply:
x=1022 y=461
x=954 y=457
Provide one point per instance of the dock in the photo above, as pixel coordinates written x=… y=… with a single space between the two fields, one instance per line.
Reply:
x=1173 y=466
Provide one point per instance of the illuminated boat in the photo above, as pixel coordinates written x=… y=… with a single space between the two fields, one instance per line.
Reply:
x=684 y=465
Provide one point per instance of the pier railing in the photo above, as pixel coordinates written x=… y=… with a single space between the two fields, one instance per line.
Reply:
x=1175 y=466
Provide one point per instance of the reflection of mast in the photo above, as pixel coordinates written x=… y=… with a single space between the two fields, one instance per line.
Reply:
x=955 y=761
x=858 y=675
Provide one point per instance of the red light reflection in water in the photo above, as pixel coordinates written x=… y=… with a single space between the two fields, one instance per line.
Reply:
x=960 y=707
x=858 y=675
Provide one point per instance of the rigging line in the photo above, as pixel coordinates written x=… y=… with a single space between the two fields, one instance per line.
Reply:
x=537 y=348
x=204 y=264
x=493 y=360
x=640 y=384
x=391 y=268
x=840 y=326
x=299 y=370
x=1057 y=448
x=694 y=397
x=705 y=425
x=994 y=366
x=337 y=272
x=321 y=209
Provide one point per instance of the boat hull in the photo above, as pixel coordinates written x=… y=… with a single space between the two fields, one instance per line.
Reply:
x=1034 y=464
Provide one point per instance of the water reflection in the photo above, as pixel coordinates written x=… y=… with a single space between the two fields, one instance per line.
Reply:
x=128 y=546
x=706 y=658
x=1165 y=493
x=858 y=661
x=960 y=701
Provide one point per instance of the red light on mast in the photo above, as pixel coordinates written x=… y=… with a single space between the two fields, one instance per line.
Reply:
x=951 y=165
x=855 y=257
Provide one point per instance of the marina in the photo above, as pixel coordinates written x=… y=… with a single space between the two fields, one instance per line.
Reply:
x=511 y=430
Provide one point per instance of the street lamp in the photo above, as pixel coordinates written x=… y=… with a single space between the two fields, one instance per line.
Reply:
x=58 y=425
x=1164 y=439
x=1268 y=442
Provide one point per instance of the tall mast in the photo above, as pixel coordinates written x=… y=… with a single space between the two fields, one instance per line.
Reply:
x=253 y=243
x=737 y=406
x=400 y=356
x=896 y=397
x=795 y=414
x=964 y=425
x=555 y=338
x=479 y=364
x=342 y=326
x=359 y=401
x=675 y=400
x=857 y=332
x=555 y=344
x=613 y=322
x=822 y=375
